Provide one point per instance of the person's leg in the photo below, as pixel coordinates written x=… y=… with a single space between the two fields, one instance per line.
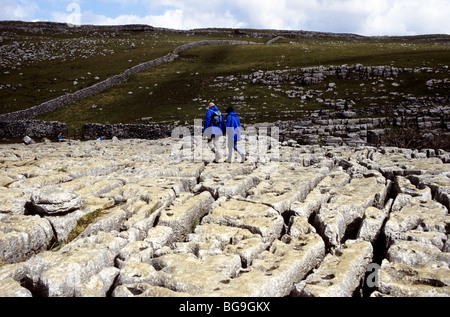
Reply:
x=239 y=151
x=237 y=148
x=217 y=148
x=230 y=145
x=211 y=141
x=230 y=152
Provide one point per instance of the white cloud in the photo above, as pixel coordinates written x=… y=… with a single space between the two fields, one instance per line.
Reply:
x=189 y=14
x=18 y=10
x=367 y=17
x=267 y=14
x=169 y=19
x=406 y=17
x=165 y=13
x=175 y=19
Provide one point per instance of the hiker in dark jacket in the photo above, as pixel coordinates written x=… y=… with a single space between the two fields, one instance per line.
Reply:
x=233 y=128
x=213 y=129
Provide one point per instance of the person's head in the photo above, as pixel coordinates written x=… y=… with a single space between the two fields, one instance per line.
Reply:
x=210 y=104
x=230 y=110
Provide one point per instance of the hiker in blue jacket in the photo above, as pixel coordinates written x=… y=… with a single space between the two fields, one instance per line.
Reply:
x=233 y=128
x=213 y=129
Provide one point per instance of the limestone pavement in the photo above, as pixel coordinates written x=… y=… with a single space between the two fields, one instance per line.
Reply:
x=308 y=221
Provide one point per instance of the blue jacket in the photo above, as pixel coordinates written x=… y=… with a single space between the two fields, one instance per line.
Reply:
x=233 y=126
x=209 y=128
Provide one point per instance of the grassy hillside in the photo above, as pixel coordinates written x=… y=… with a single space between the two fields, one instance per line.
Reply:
x=38 y=66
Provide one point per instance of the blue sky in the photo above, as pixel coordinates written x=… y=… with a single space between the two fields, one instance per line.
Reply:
x=365 y=17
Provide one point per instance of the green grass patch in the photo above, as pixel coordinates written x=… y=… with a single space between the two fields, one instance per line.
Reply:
x=83 y=222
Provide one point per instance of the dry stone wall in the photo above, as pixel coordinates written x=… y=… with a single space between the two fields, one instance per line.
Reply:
x=292 y=221
x=32 y=128
x=134 y=131
x=61 y=101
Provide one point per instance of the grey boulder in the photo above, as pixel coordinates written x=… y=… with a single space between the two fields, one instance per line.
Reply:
x=53 y=200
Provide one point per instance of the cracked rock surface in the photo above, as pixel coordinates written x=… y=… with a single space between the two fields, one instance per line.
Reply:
x=303 y=221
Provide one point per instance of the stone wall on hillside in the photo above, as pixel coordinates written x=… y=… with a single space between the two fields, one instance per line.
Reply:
x=127 y=131
x=32 y=128
x=61 y=101
x=315 y=130
x=315 y=75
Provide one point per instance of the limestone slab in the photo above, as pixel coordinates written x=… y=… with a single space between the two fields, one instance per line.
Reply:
x=339 y=274
x=23 y=236
x=400 y=280
x=181 y=217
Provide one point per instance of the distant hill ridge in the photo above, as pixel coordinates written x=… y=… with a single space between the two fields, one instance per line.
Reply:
x=64 y=27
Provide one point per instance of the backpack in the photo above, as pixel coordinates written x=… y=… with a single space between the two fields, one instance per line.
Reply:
x=217 y=118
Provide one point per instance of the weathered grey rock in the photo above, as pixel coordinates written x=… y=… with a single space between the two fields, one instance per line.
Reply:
x=311 y=203
x=299 y=226
x=139 y=272
x=347 y=204
x=286 y=185
x=331 y=226
x=145 y=290
x=248 y=249
x=159 y=236
x=54 y=200
x=99 y=284
x=238 y=185
x=261 y=233
x=27 y=140
x=373 y=221
x=154 y=195
x=339 y=274
x=347 y=114
x=137 y=251
x=400 y=280
x=100 y=188
x=418 y=220
x=30 y=185
x=402 y=185
x=180 y=272
x=11 y=288
x=212 y=239
x=62 y=273
x=334 y=179
x=111 y=220
x=415 y=254
x=13 y=201
x=275 y=272
x=439 y=185
x=257 y=218
x=181 y=217
x=23 y=236
x=142 y=218
x=63 y=225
